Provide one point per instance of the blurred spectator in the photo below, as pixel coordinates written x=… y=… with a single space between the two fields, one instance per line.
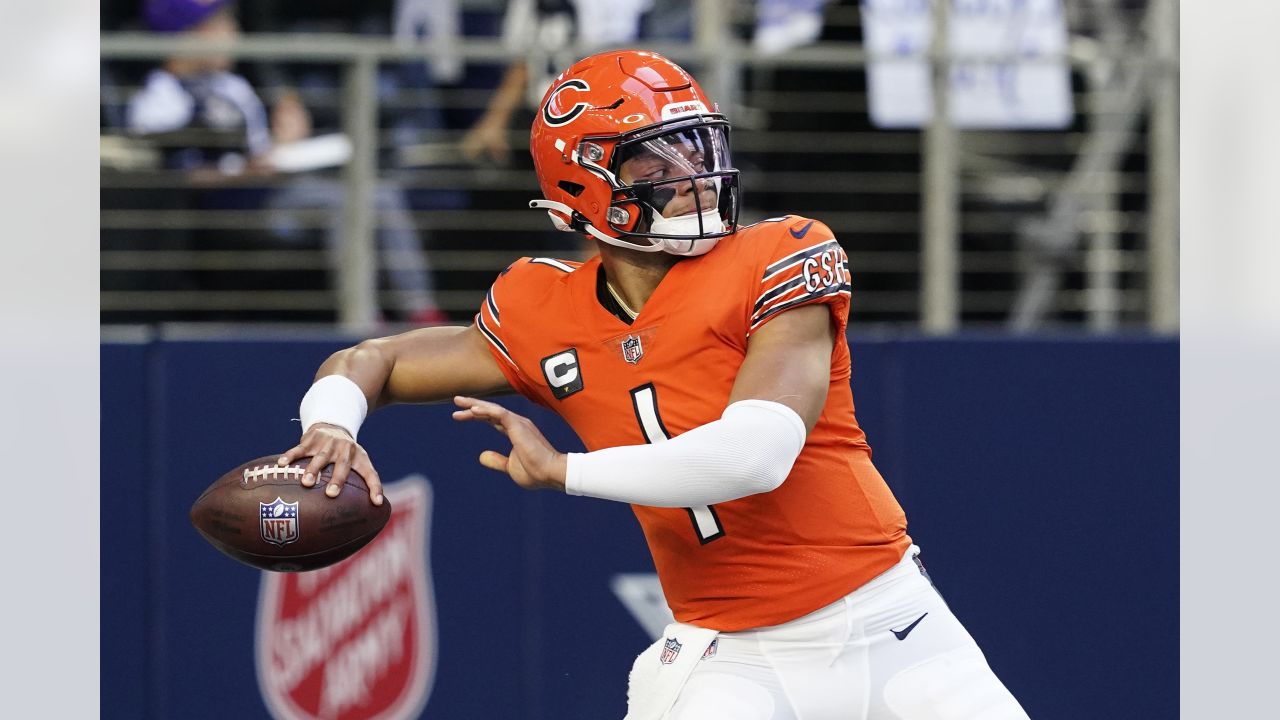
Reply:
x=437 y=25
x=201 y=93
x=783 y=25
x=221 y=130
x=546 y=35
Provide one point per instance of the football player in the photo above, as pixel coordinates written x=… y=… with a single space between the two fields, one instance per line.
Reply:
x=705 y=367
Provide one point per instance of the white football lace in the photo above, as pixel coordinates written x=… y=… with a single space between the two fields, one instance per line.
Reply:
x=258 y=473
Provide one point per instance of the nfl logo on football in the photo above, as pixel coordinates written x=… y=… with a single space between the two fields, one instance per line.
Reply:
x=670 y=651
x=279 y=521
x=632 y=350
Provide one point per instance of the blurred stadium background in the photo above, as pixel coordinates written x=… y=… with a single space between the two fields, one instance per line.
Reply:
x=1014 y=326
x=1024 y=228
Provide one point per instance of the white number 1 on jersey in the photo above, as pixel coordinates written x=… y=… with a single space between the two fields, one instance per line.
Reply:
x=645 y=402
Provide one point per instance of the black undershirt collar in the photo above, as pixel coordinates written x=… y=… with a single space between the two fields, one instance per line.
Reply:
x=606 y=299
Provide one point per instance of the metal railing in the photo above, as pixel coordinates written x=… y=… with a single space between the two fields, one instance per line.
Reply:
x=916 y=236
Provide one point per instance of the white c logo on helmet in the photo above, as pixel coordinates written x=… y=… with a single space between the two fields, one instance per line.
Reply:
x=575 y=111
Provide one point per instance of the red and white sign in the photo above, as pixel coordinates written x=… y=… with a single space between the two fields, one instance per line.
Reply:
x=357 y=640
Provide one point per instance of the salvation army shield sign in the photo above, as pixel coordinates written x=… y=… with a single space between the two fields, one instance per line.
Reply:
x=356 y=640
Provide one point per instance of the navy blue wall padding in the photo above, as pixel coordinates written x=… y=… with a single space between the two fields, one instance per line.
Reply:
x=1040 y=476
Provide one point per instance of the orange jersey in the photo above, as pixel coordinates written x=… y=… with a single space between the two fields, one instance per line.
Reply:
x=757 y=561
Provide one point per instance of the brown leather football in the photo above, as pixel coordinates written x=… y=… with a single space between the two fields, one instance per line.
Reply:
x=261 y=515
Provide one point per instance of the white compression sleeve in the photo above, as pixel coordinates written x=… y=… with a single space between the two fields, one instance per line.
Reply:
x=749 y=450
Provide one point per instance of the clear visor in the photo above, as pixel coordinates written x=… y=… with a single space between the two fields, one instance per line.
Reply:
x=679 y=172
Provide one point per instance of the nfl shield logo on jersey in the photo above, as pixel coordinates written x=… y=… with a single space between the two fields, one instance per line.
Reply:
x=670 y=651
x=632 y=350
x=355 y=640
x=279 y=521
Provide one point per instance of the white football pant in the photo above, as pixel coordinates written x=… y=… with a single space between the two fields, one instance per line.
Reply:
x=891 y=650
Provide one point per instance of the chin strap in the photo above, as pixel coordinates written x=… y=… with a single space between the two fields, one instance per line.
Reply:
x=580 y=223
x=549 y=206
x=689 y=246
x=690 y=228
x=591 y=229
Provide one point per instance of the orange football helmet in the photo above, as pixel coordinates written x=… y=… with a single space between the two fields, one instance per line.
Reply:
x=629 y=150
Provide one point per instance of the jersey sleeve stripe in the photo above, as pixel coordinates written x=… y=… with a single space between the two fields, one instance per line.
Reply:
x=798 y=256
x=777 y=290
x=791 y=294
x=553 y=263
x=493 y=339
x=493 y=307
x=833 y=290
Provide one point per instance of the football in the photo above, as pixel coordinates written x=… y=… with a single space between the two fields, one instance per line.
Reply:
x=260 y=514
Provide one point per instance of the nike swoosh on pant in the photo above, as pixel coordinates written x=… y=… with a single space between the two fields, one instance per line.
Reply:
x=903 y=633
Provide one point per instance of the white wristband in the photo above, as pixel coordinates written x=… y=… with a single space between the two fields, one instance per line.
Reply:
x=336 y=400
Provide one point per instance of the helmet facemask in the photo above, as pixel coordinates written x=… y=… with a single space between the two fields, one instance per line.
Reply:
x=675 y=185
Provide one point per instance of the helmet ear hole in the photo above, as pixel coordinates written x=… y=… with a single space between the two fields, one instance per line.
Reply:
x=572 y=188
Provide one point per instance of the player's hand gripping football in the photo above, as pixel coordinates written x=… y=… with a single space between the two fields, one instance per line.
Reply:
x=329 y=444
x=533 y=463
